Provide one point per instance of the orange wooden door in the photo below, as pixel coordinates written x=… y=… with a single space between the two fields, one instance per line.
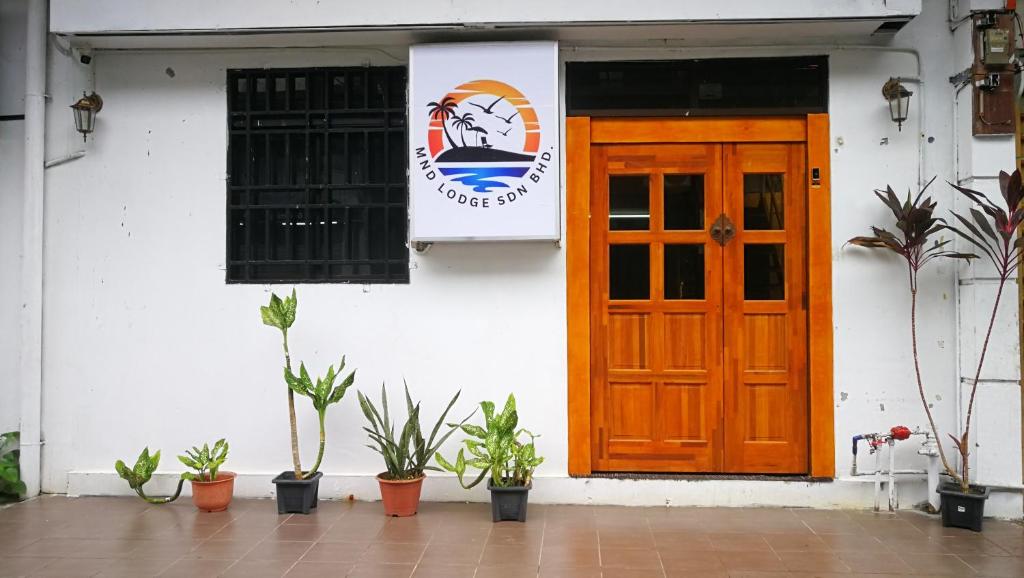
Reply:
x=656 y=308
x=697 y=349
x=765 y=390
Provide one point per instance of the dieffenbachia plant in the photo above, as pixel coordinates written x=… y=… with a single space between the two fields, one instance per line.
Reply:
x=205 y=461
x=916 y=224
x=141 y=473
x=990 y=230
x=280 y=313
x=496 y=449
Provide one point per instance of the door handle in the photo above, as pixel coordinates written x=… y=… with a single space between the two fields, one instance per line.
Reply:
x=722 y=230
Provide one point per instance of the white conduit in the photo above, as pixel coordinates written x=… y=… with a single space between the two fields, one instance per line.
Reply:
x=30 y=349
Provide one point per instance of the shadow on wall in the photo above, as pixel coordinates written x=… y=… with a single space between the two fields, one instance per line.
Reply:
x=484 y=259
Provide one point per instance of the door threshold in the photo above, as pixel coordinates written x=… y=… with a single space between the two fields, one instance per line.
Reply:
x=704 y=477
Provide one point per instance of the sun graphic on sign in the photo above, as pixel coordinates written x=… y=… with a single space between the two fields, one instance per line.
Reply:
x=481 y=134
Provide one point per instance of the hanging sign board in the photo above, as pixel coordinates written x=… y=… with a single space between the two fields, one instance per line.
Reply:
x=483 y=141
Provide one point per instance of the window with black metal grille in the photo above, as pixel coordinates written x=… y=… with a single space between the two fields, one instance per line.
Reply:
x=317 y=187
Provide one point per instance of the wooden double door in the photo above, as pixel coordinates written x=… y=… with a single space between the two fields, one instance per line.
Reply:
x=698 y=308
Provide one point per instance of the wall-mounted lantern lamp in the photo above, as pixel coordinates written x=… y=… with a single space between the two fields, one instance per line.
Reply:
x=899 y=101
x=85 y=113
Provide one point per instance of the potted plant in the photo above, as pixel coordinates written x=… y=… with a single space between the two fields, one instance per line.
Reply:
x=11 y=486
x=141 y=473
x=507 y=462
x=990 y=230
x=211 y=488
x=962 y=504
x=406 y=456
x=297 y=490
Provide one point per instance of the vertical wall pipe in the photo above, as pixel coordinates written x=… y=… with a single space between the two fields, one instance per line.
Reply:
x=30 y=353
x=892 y=475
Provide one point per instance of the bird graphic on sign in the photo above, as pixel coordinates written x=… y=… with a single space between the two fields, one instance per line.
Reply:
x=489 y=110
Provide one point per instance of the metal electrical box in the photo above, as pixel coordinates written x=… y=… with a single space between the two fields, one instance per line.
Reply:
x=996 y=47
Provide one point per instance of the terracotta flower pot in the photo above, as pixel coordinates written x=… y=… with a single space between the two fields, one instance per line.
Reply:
x=401 y=497
x=214 y=496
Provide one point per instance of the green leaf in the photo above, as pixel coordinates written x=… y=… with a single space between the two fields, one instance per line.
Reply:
x=474 y=430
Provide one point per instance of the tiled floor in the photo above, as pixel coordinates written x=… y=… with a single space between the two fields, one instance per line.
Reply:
x=55 y=536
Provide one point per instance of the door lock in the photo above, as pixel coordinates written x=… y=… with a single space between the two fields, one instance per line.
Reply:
x=722 y=230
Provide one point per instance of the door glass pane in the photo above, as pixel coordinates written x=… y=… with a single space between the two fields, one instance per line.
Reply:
x=629 y=272
x=762 y=202
x=684 y=271
x=684 y=202
x=764 y=272
x=628 y=203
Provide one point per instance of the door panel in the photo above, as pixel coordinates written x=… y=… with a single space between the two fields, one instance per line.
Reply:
x=698 y=350
x=656 y=394
x=765 y=387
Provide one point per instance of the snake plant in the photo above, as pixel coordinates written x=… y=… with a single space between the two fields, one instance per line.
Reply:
x=407 y=455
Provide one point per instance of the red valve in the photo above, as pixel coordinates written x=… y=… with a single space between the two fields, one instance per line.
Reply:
x=900 y=432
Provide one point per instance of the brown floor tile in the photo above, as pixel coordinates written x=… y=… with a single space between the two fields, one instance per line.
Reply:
x=813 y=562
x=350 y=552
x=134 y=568
x=452 y=554
x=633 y=558
x=689 y=561
x=71 y=567
x=506 y=572
x=392 y=553
x=741 y=542
x=76 y=548
x=875 y=562
x=1010 y=567
x=569 y=557
x=405 y=534
x=851 y=542
x=444 y=571
x=937 y=564
x=285 y=551
x=220 y=550
x=681 y=540
x=796 y=543
x=17 y=567
x=188 y=568
x=631 y=573
x=759 y=561
x=564 y=537
x=510 y=555
x=121 y=537
x=570 y=572
x=381 y=571
x=626 y=539
x=298 y=532
x=258 y=569
x=319 y=569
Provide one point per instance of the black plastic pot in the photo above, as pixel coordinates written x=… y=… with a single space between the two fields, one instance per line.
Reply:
x=297 y=496
x=509 y=504
x=960 y=510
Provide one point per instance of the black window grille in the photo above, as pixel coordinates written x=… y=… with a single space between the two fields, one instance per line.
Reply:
x=316 y=187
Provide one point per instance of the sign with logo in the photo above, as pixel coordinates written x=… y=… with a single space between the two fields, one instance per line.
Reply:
x=483 y=141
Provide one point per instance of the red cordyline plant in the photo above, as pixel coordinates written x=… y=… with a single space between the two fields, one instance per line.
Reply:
x=916 y=223
x=991 y=231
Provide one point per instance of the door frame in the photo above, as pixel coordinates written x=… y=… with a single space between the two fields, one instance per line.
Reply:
x=812 y=129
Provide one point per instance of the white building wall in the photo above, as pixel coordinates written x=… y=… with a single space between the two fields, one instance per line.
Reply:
x=144 y=343
x=12 y=103
x=131 y=15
